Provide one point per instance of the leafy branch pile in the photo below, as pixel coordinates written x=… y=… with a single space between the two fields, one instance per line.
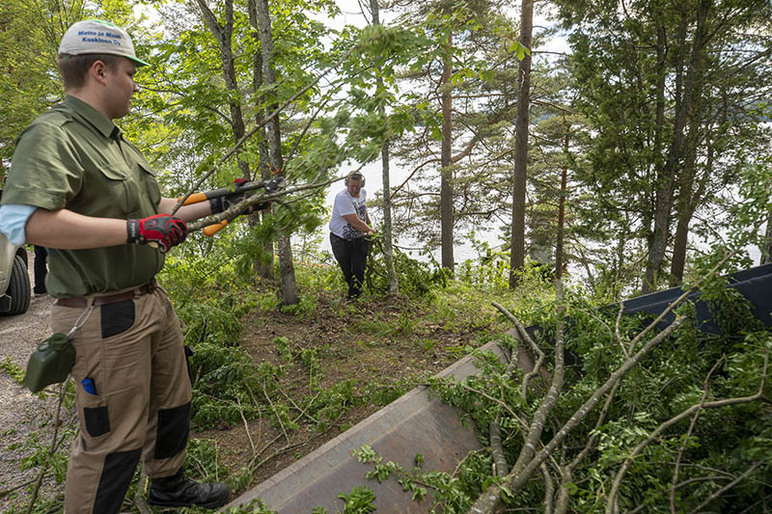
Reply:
x=642 y=415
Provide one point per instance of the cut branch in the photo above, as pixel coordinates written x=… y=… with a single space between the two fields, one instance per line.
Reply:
x=550 y=399
x=614 y=493
x=728 y=486
x=531 y=343
x=499 y=460
x=491 y=498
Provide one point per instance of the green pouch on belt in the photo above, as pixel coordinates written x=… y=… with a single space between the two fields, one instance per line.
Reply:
x=50 y=363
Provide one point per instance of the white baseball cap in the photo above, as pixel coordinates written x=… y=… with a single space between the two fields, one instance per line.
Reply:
x=98 y=37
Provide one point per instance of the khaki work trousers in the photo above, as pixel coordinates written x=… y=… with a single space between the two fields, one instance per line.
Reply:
x=132 y=394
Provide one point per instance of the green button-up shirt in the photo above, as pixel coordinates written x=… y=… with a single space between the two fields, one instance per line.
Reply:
x=75 y=158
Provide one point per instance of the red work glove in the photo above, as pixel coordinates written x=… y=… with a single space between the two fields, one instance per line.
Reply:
x=161 y=230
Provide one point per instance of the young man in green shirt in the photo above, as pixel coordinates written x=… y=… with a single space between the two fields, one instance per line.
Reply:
x=77 y=187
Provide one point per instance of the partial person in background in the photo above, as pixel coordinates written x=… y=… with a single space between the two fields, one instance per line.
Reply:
x=41 y=269
x=350 y=227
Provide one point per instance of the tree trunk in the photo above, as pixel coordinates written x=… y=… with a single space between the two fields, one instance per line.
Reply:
x=685 y=94
x=680 y=242
x=223 y=33
x=684 y=213
x=263 y=267
x=517 y=245
x=689 y=198
x=446 y=181
x=766 y=250
x=659 y=122
x=388 y=249
x=562 y=208
x=687 y=205
x=620 y=257
x=289 y=290
x=388 y=246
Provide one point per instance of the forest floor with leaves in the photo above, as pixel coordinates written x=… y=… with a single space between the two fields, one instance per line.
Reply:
x=383 y=343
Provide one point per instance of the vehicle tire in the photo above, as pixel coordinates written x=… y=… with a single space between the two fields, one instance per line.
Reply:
x=19 y=287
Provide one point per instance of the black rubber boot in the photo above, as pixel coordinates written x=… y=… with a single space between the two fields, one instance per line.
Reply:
x=180 y=491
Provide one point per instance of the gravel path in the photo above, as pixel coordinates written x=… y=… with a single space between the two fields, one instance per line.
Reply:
x=21 y=412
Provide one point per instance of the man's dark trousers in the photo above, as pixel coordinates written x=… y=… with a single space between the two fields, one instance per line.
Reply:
x=351 y=254
x=41 y=269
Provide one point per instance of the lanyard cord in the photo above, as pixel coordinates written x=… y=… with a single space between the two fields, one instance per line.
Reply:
x=82 y=319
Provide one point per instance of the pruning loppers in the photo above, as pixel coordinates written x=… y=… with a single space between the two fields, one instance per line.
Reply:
x=240 y=190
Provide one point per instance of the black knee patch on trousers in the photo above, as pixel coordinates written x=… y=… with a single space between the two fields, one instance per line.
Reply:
x=116 y=476
x=173 y=428
x=117 y=318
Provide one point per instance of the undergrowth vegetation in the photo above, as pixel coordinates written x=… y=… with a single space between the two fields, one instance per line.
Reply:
x=294 y=391
x=288 y=390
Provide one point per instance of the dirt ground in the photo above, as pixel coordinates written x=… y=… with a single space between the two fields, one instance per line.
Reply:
x=365 y=355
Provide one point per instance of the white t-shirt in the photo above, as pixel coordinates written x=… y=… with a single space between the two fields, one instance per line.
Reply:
x=344 y=205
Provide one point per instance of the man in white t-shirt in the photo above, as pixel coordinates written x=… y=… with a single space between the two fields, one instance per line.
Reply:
x=349 y=228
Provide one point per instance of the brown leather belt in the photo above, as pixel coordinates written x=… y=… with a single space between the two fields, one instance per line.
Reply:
x=81 y=301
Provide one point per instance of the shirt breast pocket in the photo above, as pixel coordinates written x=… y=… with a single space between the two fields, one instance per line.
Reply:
x=151 y=185
x=117 y=190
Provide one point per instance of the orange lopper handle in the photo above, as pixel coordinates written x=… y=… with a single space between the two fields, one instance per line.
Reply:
x=213 y=229
x=194 y=198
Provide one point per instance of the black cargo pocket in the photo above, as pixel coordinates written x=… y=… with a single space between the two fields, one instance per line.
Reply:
x=173 y=428
x=117 y=318
x=97 y=420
